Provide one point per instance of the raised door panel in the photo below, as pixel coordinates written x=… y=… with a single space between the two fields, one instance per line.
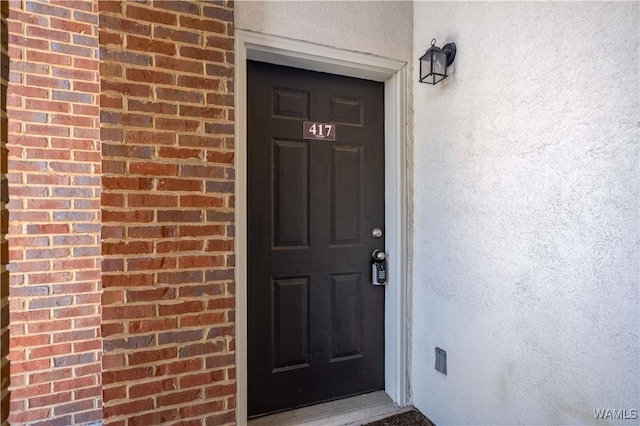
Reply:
x=291 y=194
x=346 y=194
x=290 y=326
x=346 y=316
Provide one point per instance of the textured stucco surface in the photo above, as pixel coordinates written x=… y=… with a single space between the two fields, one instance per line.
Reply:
x=526 y=211
x=381 y=28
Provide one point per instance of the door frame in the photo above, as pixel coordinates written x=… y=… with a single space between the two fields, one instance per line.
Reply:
x=298 y=54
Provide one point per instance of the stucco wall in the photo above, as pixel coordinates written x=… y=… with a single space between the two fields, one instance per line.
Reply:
x=382 y=28
x=526 y=202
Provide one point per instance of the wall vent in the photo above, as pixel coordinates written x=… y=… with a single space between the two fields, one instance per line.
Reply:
x=441 y=361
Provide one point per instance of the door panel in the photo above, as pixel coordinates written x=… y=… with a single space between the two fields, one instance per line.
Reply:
x=291 y=194
x=346 y=196
x=346 y=316
x=315 y=320
x=290 y=317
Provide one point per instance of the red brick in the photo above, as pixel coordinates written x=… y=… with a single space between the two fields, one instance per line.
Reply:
x=112 y=200
x=179 y=64
x=152 y=231
x=74 y=383
x=113 y=297
x=73 y=407
x=118 y=392
x=110 y=6
x=129 y=89
x=112 y=361
x=170 y=152
x=177 y=95
x=145 y=326
x=213 y=84
x=29 y=366
x=201 y=201
x=46 y=377
x=143 y=216
x=86 y=64
x=155 y=107
x=147 y=45
x=49 y=278
x=176 y=35
x=78 y=311
x=228 y=302
x=219 y=245
x=220 y=419
x=199 y=261
x=151 y=264
x=202 y=319
x=224 y=43
x=180 y=125
x=127 y=375
x=52 y=399
x=149 y=15
x=200 y=141
x=144 y=357
x=179 y=367
x=152 y=200
x=147 y=295
x=48 y=58
x=126 y=312
x=202 y=24
x=30 y=340
x=204 y=378
x=155 y=169
x=72 y=336
x=150 y=76
x=203 y=112
x=50 y=350
x=173 y=216
x=150 y=388
x=127 y=408
x=195 y=231
x=199 y=409
x=110 y=38
x=36 y=129
x=145 y=137
x=128 y=280
x=93 y=345
x=157 y=417
x=124 y=26
x=220 y=390
x=125 y=247
x=28 y=416
x=32 y=391
x=181 y=308
x=220 y=157
x=179 y=184
x=178 y=397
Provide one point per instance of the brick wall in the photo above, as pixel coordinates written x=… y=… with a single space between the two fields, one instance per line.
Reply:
x=4 y=218
x=54 y=212
x=167 y=146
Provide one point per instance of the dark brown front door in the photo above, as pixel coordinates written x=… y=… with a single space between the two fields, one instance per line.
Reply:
x=316 y=323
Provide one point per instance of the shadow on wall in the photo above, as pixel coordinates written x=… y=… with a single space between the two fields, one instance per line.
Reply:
x=4 y=218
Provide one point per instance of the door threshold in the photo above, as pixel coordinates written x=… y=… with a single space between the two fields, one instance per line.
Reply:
x=353 y=411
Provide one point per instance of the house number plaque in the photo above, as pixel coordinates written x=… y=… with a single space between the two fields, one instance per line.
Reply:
x=323 y=131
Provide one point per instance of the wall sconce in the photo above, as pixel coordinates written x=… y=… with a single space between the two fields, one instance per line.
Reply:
x=434 y=63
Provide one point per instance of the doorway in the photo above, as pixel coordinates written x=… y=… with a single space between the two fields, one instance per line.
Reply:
x=277 y=50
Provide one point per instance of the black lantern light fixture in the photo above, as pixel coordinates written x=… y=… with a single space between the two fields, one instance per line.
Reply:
x=434 y=63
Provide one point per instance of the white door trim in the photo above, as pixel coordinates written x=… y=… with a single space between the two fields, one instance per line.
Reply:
x=393 y=73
